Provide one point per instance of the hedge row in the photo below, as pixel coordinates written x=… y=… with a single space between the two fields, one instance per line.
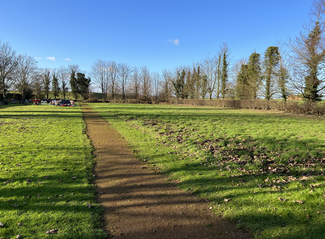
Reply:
x=317 y=108
x=277 y=105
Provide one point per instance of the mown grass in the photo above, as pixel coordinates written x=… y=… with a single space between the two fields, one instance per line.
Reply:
x=263 y=171
x=45 y=174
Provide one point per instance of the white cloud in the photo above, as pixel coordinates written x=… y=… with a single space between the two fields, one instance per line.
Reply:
x=51 y=58
x=175 y=42
x=38 y=58
x=67 y=59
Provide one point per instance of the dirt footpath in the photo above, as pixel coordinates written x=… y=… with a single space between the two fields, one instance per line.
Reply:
x=140 y=203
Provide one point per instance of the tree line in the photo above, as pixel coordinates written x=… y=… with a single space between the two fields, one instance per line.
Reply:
x=292 y=68
x=20 y=73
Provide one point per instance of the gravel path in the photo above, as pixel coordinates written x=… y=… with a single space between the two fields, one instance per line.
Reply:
x=140 y=203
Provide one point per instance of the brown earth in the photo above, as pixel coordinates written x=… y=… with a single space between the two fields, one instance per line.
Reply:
x=139 y=203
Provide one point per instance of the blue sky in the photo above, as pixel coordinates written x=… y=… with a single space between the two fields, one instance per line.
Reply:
x=158 y=34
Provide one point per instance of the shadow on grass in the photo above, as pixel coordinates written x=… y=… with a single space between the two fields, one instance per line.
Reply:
x=13 y=105
x=290 y=224
x=295 y=220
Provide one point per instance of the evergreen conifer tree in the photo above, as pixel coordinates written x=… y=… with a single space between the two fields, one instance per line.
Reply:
x=242 y=86
x=55 y=86
x=179 y=85
x=271 y=61
x=204 y=87
x=316 y=57
x=224 y=74
x=254 y=72
x=47 y=82
x=283 y=76
x=73 y=84
x=83 y=84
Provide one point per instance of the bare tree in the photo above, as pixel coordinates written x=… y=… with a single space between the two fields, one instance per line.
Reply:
x=26 y=68
x=63 y=75
x=99 y=72
x=167 y=87
x=318 y=10
x=156 y=80
x=74 y=67
x=145 y=81
x=113 y=78
x=38 y=83
x=135 y=83
x=211 y=68
x=124 y=74
x=8 y=64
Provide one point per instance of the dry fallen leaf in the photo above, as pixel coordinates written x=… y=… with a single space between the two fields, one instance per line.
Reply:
x=52 y=231
x=227 y=199
x=299 y=201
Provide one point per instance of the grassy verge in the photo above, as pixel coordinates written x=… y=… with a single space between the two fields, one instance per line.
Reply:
x=263 y=171
x=45 y=173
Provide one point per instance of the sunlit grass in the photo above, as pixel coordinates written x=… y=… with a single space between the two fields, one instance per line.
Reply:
x=45 y=173
x=268 y=167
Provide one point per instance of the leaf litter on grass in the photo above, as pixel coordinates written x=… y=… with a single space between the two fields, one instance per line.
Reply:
x=242 y=161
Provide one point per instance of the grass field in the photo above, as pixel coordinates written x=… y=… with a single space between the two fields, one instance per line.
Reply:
x=264 y=171
x=45 y=174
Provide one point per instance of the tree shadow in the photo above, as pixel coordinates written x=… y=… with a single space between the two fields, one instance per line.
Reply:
x=294 y=160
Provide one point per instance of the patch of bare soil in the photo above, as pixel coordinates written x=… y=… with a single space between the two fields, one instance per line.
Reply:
x=138 y=202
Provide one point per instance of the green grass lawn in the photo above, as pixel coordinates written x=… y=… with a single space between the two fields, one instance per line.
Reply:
x=45 y=174
x=264 y=171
